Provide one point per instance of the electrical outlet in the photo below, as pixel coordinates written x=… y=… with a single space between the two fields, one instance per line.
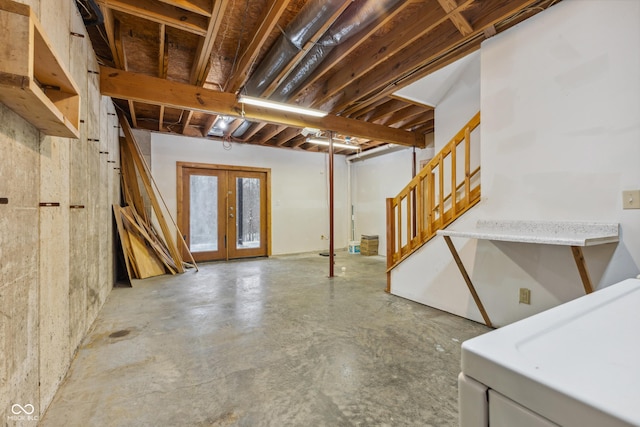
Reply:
x=631 y=199
x=525 y=296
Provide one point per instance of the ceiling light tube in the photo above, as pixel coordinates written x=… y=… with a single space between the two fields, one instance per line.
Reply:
x=335 y=144
x=281 y=106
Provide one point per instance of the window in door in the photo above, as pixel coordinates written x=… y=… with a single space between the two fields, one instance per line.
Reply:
x=223 y=210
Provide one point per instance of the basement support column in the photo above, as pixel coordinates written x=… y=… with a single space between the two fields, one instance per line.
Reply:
x=414 y=196
x=331 y=242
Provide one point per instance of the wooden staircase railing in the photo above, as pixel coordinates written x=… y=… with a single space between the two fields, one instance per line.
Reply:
x=428 y=204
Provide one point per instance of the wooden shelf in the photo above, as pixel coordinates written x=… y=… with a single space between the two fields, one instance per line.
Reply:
x=33 y=81
x=573 y=234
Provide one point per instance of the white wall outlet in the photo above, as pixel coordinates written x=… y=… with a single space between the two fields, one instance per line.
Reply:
x=525 y=296
x=631 y=199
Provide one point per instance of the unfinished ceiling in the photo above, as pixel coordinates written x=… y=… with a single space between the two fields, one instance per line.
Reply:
x=177 y=66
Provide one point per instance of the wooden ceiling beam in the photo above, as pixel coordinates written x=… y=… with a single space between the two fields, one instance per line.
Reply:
x=490 y=31
x=267 y=23
x=426 y=128
x=160 y=13
x=387 y=108
x=254 y=129
x=208 y=124
x=461 y=23
x=404 y=36
x=163 y=52
x=202 y=61
x=411 y=122
x=109 y=25
x=303 y=52
x=299 y=142
x=121 y=59
x=408 y=112
x=201 y=7
x=163 y=65
x=231 y=128
x=340 y=52
x=186 y=119
x=295 y=142
x=412 y=101
x=286 y=135
x=152 y=90
x=367 y=111
x=271 y=133
x=132 y=113
x=438 y=61
x=440 y=42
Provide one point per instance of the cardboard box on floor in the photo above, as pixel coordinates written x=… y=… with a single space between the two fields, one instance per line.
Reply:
x=369 y=245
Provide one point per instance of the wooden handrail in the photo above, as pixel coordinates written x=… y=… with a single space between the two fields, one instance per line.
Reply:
x=427 y=204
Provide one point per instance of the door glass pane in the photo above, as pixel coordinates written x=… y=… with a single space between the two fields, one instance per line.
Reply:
x=203 y=213
x=248 y=213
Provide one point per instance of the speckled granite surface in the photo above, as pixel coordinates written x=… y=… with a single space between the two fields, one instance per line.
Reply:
x=542 y=232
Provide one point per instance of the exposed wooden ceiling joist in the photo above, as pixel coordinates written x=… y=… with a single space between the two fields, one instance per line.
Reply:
x=286 y=135
x=342 y=51
x=205 y=45
x=441 y=39
x=302 y=52
x=151 y=90
x=218 y=44
x=161 y=13
x=202 y=7
x=391 y=47
x=267 y=23
x=461 y=23
x=253 y=130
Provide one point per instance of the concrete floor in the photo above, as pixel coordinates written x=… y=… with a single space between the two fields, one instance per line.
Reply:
x=266 y=342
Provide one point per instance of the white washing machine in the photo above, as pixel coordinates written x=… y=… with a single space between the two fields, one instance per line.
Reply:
x=577 y=364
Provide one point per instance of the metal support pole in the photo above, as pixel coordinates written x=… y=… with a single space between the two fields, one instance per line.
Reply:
x=413 y=163
x=331 y=243
x=414 y=196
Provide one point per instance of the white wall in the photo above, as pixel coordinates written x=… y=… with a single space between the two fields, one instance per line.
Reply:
x=376 y=179
x=561 y=140
x=299 y=186
x=373 y=180
x=460 y=103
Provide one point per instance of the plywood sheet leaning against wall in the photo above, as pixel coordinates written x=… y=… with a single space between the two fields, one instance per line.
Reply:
x=147 y=253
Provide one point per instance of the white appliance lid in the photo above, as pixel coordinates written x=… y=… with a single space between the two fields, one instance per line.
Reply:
x=575 y=364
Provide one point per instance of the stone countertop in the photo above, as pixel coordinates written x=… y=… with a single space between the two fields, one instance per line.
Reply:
x=541 y=232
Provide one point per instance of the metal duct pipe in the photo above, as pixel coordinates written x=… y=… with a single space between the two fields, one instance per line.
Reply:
x=241 y=129
x=299 y=31
x=357 y=16
x=307 y=23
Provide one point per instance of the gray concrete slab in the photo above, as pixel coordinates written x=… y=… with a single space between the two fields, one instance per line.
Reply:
x=266 y=342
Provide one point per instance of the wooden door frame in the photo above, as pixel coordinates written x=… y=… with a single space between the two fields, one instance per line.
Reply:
x=184 y=218
x=208 y=166
x=232 y=237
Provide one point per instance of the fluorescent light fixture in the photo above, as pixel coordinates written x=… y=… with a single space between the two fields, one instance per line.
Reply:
x=335 y=144
x=281 y=106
